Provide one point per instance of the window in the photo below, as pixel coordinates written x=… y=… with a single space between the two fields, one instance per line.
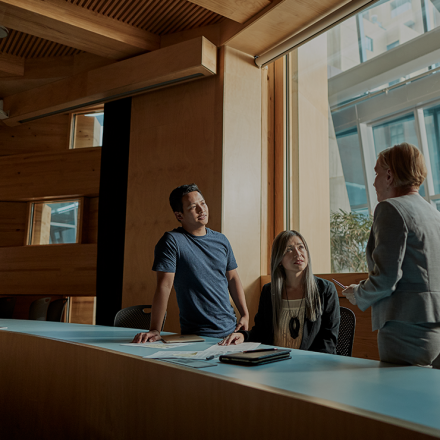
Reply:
x=369 y=44
x=351 y=160
x=372 y=107
x=87 y=129
x=54 y=222
x=395 y=132
x=399 y=7
x=432 y=124
x=393 y=44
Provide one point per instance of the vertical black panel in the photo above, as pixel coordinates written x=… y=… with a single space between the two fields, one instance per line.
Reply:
x=112 y=210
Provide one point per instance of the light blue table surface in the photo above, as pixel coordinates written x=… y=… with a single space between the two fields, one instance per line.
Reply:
x=407 y=393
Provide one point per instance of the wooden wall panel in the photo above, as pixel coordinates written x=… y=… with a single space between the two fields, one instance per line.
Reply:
x=208 y=132
x=68 y=270
x=365 y=340
x=173 y=142
x=47 y=135
x=47 y=175
x=13 y=223
x=82 y=310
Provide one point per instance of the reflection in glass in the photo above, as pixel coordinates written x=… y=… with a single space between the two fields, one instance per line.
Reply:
x=395 y=132
x=432 y=122
x=381 y=27
x=350 y=153
x=54 y=223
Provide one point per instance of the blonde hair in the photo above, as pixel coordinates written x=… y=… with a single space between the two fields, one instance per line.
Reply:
x=278 y=277
x=407 y=164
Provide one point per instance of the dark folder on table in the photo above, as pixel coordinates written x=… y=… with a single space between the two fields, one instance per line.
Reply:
x=256 y=357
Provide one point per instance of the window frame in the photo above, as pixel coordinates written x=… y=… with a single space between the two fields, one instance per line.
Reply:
x=30 y=220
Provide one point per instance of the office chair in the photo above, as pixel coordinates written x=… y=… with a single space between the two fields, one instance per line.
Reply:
x=38 y=309
x=135 y=317
x=55 y=310
x=344 y=347
x=7 y=305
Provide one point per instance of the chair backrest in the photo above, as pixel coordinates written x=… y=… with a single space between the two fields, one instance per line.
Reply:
x=55 y=310
x=38 y=309
x=135 y=317
x=344 y=347
x=7 y=307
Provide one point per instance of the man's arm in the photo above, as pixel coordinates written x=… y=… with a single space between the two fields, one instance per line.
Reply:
x=236 y=290
x=160 y=301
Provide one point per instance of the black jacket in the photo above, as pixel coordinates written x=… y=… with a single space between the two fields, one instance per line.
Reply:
x=321 y=335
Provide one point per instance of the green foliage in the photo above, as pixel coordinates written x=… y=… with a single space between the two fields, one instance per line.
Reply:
x=349 y=232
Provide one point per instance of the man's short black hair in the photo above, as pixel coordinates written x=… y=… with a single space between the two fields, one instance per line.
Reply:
x=177 y=194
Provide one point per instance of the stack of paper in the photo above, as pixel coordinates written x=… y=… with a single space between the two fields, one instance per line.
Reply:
x=214 y=351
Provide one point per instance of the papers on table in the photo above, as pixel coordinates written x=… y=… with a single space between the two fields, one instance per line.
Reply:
x=214 y=350
x=158 y=344
x=218 y=350
x=3 y=328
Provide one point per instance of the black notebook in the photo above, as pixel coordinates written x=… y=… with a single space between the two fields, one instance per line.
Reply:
x=256 y=357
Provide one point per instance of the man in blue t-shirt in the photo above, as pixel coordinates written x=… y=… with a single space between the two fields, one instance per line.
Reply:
x=201 y=265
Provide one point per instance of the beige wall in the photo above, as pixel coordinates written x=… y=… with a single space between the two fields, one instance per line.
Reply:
x=309 y=201
x=242 y=168
x=207 y=132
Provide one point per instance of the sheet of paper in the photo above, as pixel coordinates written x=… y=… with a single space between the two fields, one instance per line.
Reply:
x=177 y=354
x=3 y=328
x=218 y=350
x=158 y=344
x=193 y=363
x=214 y=350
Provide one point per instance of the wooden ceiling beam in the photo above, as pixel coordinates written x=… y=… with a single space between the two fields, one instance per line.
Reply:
x=40 y=71
x=182 y=62
x=11 y=66
x=236 y=10
x=77 y=27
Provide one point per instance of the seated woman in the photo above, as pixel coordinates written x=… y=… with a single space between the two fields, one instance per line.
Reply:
x=297 y=309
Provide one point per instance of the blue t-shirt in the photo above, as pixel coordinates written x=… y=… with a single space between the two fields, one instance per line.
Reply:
x=200 y=264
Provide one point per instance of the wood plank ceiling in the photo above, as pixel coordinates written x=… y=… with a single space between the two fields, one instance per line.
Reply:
x=160 y=17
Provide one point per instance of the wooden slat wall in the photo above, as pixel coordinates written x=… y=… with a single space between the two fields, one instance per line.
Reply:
x=365 y=340
x=13 y=223
x=46 y=175
x=68 y=270
x=47 y=135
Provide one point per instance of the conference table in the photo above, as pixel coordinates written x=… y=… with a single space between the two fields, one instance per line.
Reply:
x=62 y=381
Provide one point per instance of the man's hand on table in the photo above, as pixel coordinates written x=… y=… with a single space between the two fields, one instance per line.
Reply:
x=233 y=339
x=151 y=336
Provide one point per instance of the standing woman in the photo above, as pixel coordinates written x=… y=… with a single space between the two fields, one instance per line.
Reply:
x=403 y=257
x=297 y=309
